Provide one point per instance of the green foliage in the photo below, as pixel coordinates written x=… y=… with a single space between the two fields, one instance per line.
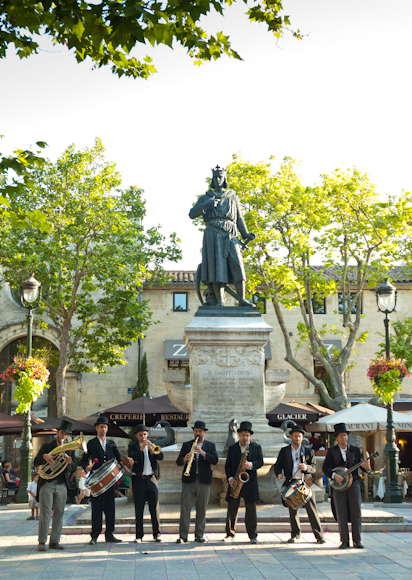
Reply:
x=342 y=223
x=93 y=261
x=31 y=375
x=400 y=341
x=107 y=32
x=16 y=177
x=142 y=385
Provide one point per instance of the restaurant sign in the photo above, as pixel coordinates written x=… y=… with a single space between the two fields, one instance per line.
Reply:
x=294 y=416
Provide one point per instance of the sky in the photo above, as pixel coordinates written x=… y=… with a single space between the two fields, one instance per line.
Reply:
x=339 y=97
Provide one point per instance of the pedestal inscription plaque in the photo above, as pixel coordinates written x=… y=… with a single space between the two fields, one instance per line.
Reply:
x=231 y=382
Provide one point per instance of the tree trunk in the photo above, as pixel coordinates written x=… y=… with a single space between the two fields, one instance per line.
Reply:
x=61 y=370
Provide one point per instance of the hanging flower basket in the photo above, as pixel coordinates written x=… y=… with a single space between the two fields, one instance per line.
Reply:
x=31 y=375
x=386 y=377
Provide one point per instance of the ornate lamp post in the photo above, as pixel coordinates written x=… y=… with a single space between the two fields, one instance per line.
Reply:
x=30 y=296
x=386 y=297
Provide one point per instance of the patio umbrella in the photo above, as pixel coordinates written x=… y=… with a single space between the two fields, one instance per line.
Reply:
x=82 y=426
x=13 y=425
x=114 y=430
x=363 y=419
x=296 y=412
x=147 y=410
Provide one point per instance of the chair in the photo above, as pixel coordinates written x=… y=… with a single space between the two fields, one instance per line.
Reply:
x=5 y=493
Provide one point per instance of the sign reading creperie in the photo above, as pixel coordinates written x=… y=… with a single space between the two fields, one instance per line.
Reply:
x=140 y=416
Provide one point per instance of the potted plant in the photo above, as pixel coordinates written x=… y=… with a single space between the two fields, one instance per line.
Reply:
x=31 y=375
x=386 y=377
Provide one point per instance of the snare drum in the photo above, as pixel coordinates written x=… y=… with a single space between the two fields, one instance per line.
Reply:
x=104 y=478
x=297 y=495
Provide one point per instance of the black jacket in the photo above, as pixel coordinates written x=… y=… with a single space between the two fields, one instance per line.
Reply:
x=95 y=451
x=284 y=463
x=138 y=465
x=205 y=471
x=334 y=459
x=46 y=448
x=250 y=490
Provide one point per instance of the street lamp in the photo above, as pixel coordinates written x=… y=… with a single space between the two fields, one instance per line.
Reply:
x=386 y=297
x=30 y=296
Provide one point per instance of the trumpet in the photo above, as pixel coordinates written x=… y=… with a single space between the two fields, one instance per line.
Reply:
x=192 y=456
x=156 y=449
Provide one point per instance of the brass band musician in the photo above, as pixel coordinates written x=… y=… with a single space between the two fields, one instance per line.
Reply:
x=52 y=492
x=297 y=462
x=236 y=463
x=197 y=455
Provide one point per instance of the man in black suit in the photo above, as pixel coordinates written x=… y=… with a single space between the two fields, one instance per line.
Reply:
x=100 y=450
x=196 y=485
x=52 y=493
x=297 y=463
x=249 y=490
x=346 y=505
x=144 y=482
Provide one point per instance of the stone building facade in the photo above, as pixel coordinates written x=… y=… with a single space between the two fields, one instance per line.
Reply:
x=173 y=306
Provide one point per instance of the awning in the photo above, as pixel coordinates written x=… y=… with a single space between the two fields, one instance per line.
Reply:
x=146 y=410
x=176 y=350
x=296 y=412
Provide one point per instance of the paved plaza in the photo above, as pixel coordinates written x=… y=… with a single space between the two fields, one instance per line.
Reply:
x=386 y=556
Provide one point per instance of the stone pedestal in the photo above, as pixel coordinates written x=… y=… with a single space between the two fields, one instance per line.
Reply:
x=227 y=364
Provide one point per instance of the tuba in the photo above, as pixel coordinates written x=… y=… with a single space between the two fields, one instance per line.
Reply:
x=59 y=455
x=241 y=476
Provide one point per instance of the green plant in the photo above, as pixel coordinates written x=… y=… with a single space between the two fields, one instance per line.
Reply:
x=386 y=377
x=32 y=376
x=142 y=385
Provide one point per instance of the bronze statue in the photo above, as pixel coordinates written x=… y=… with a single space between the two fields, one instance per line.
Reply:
x=222 y=262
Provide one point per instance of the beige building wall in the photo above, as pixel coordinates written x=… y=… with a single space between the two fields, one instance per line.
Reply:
x=90 y=392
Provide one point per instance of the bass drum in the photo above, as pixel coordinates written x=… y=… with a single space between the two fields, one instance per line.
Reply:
x=296 y=495
x=104 y=478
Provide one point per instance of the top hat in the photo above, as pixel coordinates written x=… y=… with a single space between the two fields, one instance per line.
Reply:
x=340 y=428
x=65 y=426
x=140 y=428
x=297 y=429
x=200 y=425
x=245 y=426
x=102 y=421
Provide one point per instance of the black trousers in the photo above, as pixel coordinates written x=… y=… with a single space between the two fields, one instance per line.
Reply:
x=250 y=517
x=313 y=516
x=103 y=504
x=348 y=509
x=145 y=490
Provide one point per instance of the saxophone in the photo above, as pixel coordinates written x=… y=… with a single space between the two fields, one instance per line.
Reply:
x=241 y=476
x=192 y=456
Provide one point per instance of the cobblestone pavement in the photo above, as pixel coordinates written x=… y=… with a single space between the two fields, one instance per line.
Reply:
x=386 y=556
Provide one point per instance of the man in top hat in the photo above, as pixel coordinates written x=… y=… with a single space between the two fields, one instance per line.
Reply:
x=144 y=482
x=52 y=493
x=100 y=450
x=296 y=463
x=346 y=505
x=250 y=490
x=196 y=485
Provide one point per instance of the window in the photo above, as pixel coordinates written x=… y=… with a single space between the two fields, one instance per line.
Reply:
x=352 y=296
x=177 y=365
x=259 y=301
x=180 y=302
x=318 y=305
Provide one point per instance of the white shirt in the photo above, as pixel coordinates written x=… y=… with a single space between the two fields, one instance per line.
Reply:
x=147 y=466
x=197 y=458
x=103 y=443
x=32 y=487
x=344 y=452
x=296 y=453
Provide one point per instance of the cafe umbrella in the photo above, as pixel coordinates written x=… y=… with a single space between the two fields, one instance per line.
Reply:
x=147 y=411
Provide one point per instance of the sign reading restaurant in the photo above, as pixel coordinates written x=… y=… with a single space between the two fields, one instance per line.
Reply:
x=140 y=416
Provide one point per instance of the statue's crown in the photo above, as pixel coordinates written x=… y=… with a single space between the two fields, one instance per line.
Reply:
x=218 y=170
